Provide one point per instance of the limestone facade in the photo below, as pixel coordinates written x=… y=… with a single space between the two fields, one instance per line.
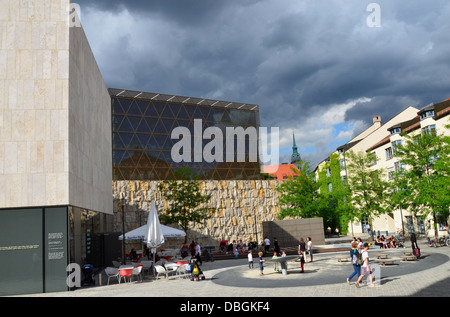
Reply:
x=55 y=111
x=241 y=208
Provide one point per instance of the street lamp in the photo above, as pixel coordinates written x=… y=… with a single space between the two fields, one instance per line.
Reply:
x=123 y=199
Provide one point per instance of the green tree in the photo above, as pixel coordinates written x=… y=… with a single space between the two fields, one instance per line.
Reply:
x=425 y=180
x=298 y=195
x=186 y=202
x=368 y=189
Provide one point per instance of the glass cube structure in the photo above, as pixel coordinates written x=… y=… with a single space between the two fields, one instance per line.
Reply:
x=142 y=124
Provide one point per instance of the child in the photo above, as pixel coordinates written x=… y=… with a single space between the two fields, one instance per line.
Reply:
x=250 y=259
x=302 y=261
x=261 y=261
x=275 y=265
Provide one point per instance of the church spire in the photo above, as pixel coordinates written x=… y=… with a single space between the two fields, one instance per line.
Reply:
x=295 y=157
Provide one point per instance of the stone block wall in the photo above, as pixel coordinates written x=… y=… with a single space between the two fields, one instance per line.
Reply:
x=241 y=209
x=289 y=232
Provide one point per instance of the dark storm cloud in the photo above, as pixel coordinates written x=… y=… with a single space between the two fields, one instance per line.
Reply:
x=297 y=59
x=183 y=12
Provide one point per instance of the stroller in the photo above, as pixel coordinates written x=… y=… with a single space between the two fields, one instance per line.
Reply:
x=194 y=269
x=88 y=272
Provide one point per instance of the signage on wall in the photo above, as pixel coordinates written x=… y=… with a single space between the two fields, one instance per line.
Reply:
x=55 y=246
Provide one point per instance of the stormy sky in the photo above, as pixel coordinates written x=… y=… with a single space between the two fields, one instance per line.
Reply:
x=323 y=68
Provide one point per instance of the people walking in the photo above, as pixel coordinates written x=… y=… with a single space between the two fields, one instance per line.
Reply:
x=365 y=268
x=250 y=259
x=354 y=255
x=266 y=245
x=414 y=246
x=276 y=246
x=310 y=248
x=198 y=253
x=302 y=247
x=261 y=263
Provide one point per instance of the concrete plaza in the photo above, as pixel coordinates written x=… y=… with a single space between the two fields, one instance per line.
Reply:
x=324 y=277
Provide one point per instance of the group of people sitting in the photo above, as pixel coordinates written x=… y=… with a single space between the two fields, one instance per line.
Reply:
x=386 y=243
x=233 y=248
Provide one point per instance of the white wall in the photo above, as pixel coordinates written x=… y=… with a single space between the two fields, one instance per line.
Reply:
x=90 y=147
x=41 y=99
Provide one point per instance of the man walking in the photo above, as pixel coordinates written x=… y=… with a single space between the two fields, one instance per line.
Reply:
x=266 y=244
x=198 y=253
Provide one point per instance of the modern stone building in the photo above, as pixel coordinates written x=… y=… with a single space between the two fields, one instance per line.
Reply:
x=61 y=134
x=55 y=144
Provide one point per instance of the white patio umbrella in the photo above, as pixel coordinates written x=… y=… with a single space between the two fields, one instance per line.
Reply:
x=154 y=236
x=139 y=233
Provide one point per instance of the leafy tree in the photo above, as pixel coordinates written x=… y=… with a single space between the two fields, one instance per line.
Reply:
x=367 y=186
x=186 y=202
x=298 y=195
x=425 y=180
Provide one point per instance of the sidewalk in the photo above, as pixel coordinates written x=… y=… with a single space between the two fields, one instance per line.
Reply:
x=325 y=276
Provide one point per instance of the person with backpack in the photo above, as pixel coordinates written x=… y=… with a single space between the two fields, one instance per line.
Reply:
x=355 y=256
x=365 y=268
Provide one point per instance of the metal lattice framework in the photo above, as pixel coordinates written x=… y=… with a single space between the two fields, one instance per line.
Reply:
x=142 y=124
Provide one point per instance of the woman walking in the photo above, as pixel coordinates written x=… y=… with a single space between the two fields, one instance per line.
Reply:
x=365 y=269
x=354 y=254
x=310 y=248
x=414 y=246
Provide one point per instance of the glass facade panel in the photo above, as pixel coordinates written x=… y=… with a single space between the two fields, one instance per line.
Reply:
x=142 y=141
x=21 y=252
x=33 y=250
x=56 y=249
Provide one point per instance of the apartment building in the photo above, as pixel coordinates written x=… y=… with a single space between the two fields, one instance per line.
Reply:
x=382 y=139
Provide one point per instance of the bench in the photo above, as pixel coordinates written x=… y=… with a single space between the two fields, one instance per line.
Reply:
x=409 y=258
x=381 y=256
x=343 y=259
x=387 y=261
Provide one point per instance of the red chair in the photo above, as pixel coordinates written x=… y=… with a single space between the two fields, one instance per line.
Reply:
x=125 y=273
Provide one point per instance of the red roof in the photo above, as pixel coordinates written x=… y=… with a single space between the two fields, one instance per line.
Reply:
x=281 y=172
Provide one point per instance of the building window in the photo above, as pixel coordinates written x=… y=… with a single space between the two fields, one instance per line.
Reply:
x=427 y=114
x=430 y=129
x=330 y=187
x=389 y=153
x=342 y=163
x=395 y=145
x=328 y=172
x=410 y=224
x=399 y=167
x=396 y=131
x=391 y=173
